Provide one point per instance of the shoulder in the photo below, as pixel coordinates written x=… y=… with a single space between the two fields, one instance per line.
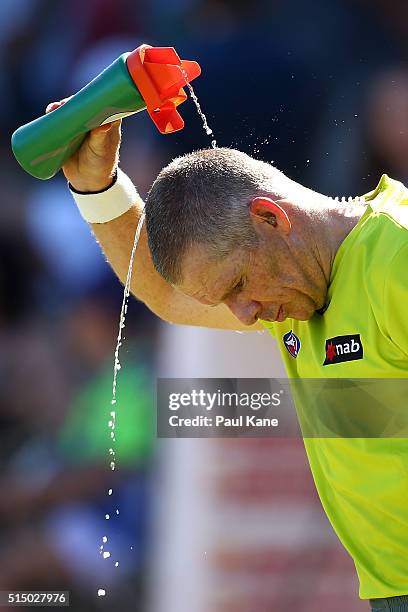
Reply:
x=391 y=201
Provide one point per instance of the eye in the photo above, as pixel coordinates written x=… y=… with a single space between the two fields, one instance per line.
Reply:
x=240 y=285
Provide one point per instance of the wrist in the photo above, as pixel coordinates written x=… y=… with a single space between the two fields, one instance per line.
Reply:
x=108 y=204
x=88 y=188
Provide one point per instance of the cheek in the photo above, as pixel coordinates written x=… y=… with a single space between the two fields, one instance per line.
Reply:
x=264 y=270
x=272 y=277
x=263 y=285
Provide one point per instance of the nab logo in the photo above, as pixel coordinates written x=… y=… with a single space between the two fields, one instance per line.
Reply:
x=292 y=343
x=343 y=348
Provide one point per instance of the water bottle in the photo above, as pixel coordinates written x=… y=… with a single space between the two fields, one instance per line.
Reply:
x=149 y=78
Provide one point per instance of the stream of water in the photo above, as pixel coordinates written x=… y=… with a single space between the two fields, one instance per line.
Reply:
x=116 y=367
x=122 y=321
x=206 y=127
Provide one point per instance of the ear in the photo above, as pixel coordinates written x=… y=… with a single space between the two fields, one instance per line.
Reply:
x=267 y=210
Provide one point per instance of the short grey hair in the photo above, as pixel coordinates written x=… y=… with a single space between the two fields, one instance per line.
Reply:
x=203 y=199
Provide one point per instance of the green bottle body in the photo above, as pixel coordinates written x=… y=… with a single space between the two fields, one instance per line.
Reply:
x=42 y=146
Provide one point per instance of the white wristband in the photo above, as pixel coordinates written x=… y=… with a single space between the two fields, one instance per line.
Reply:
x=109 y=204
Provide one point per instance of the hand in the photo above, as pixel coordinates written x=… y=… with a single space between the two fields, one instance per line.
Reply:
x=93 y=166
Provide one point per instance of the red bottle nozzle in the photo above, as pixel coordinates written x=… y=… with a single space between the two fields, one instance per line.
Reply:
x=159 y=74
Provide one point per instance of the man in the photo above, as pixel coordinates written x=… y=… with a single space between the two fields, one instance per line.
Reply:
x=233 y=243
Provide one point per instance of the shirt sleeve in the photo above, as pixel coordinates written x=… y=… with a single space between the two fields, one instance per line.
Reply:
x=396 y=300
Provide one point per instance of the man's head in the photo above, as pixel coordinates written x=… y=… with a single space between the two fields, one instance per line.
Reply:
x=225 y=228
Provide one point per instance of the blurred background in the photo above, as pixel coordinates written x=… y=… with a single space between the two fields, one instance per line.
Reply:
x=321 y=89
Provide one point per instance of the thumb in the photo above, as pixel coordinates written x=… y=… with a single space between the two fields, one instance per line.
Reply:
x=98 y=140
x=105 y=137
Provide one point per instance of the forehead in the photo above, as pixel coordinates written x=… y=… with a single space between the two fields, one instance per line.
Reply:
x=206 y=278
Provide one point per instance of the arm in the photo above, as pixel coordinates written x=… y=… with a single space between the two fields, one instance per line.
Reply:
x=116 y=241
x=91 y=169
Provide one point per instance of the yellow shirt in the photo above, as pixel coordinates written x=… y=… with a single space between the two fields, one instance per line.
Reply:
x=362 y=481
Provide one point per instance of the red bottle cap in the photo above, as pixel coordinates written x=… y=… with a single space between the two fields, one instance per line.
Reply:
x=159 y=74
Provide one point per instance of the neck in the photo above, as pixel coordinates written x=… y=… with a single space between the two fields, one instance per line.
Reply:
x=322 y=224
x=319 y=226
x=331 y=222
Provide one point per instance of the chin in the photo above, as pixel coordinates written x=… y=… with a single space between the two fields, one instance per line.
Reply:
x=301 y=314
x=304 y=317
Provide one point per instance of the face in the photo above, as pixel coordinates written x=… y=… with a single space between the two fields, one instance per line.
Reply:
x=277 y=279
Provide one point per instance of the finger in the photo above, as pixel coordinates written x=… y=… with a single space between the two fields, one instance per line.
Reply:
x=53 y=105
x=107 y=126
x=102 y=129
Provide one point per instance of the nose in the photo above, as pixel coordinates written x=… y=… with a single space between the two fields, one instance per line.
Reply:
x=247 y=311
